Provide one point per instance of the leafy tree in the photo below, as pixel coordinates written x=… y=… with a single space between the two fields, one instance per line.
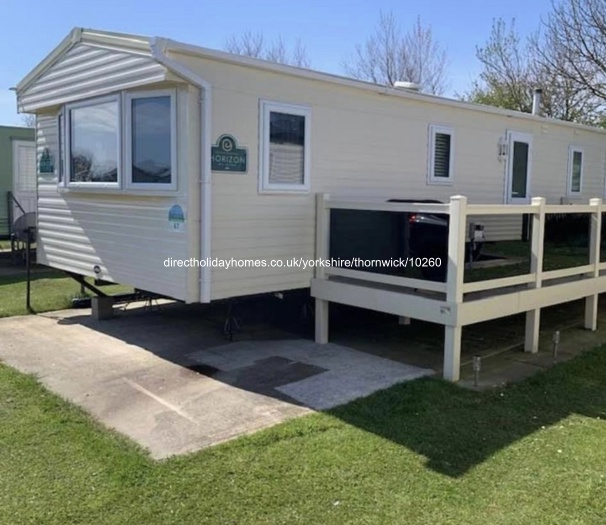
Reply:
x=513 y=68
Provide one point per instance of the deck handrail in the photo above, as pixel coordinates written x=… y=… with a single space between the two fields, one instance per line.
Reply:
x=375 y=205
x=461 y=303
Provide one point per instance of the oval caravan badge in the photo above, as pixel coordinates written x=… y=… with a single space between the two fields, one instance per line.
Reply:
x=176 y=218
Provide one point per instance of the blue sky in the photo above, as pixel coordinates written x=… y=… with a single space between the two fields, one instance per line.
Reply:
x=329 y=29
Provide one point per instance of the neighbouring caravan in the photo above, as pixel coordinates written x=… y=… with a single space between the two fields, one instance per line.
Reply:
x=17 y=176
x=151 y=150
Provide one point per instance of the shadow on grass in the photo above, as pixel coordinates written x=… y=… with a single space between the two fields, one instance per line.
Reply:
x=456 y=429
x=37 y=274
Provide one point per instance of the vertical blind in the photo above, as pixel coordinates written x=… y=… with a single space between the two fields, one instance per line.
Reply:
x=26 y=166
x=286 y=148
x=441 y=156
x=577 y=166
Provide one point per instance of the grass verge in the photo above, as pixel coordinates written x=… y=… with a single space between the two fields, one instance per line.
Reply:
x=418 y=453
x=50 y=290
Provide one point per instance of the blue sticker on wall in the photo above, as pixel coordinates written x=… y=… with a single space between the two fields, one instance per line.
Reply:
x=176 y=218
x=47 y=164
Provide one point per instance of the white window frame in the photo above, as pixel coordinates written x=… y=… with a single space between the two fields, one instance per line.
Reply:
x=67 y=124
x=128 y=141
x=571 y=151
x=61 y=167
x=434 y=129
x=266 y=107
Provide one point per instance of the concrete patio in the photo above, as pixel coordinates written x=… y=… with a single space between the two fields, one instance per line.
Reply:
x=170 y=382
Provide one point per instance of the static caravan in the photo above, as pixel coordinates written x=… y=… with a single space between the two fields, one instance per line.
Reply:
x=17 y=175
x=152 y=150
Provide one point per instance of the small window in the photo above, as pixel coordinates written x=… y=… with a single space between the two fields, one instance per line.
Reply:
x=440 y=155
x=27 y=176
x=94 y=143
x=61 y=147
x=151 y=140
x=284 y=155
x=575 y=170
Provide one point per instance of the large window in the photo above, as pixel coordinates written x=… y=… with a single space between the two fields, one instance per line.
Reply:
x=440 y=155
x=151 y=140
x=94 y=143
x=575 y=170
x=97 y=157
x=284 y=155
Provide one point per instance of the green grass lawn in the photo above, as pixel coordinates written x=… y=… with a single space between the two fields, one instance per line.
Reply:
x=50 y=290
x=556 y=257
x=425 y=452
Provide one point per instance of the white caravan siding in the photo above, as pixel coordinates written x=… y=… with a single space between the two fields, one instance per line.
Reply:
x=87 y=71
x=126 y=234
x=362 y=143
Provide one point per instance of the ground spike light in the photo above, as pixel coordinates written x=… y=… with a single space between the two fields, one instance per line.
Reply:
x=477 y=366
x=556 y=342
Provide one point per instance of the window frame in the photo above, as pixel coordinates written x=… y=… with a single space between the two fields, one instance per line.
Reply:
x=571 y=151
x=434 y=129
x=61 y=170
x=67 y=124
x=128 y=140
x=266 y=107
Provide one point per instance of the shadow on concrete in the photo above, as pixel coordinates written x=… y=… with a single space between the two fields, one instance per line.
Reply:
x=177 y=332
x=455 y=429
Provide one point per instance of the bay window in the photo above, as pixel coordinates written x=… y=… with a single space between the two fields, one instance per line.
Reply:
x=151 y=140
x=121 y=142
x=94 y=143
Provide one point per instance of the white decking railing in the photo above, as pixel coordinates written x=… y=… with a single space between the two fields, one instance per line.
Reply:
x=455 y=303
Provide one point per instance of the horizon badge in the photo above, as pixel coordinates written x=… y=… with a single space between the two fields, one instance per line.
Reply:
x=227 y=156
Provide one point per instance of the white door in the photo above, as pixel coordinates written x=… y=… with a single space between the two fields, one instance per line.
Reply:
x=519 y=162
x=24 y=176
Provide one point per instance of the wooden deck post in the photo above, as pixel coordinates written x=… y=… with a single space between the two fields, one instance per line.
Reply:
x=595 y=239
x=533 y=317
x=452 y=353
x=322 y=253
x=454 y=284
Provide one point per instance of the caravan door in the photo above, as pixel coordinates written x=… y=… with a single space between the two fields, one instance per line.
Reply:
x=519 y=162
x=24 y=176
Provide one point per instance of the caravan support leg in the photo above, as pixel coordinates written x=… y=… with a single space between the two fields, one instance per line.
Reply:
x=321 y=321
x=531 y=339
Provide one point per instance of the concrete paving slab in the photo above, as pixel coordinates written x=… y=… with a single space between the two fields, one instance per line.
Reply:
x=346 y=374
x=172 y=385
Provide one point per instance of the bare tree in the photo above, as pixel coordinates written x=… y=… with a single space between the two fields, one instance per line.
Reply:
x=254 y=45
x=249 y=44
x=513 y=68
x=28 y=120
x=577 y=29
x=389 y=55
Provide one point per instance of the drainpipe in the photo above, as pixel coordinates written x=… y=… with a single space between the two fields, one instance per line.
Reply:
x=158 y=47
x=536 y=101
